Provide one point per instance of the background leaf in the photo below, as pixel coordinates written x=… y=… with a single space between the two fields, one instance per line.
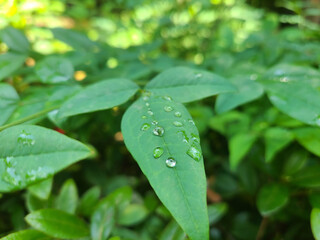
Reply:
x=315 y=223
x=8 y=101
x=57 y=224
x=67 y=199
x=187 y=84
x=102 y=95
x=309 y=138
x=154 y=136
x=9 y=63
x=30 y=153
x=29 y=234
x=15 y=40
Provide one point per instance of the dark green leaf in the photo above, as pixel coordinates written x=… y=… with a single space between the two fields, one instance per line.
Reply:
x=31 y=153
x=187 y=84
x=309 y=138
x=315 y=223
x=67 y=199
x=307 y=177
x=15 y=40
x=247 y=91
x=165 y=143
x=9 y=63
x=29 y=234
x=52 y=70
x=271 y=198
x=42 y=189
x=58 y=224
x=99 y=96
x=132 y=214
x=8 y=101
x=89 y=201
x=216 y=212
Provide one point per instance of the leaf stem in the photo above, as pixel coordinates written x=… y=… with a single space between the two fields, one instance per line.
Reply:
x=30 y=117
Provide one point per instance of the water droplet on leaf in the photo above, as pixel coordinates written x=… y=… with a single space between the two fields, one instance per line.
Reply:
x=170 y=162
x=11 y=177
x=168 y=98
x=178 y=114
x=147 y=104
x=157 y=152
x=168 y=108
x=26 y=138
x=198 y=75
x=145 y=126
x=194 y=153
x=178 y=124
x=154 y=122
x=195 y=138
x=158 y=131
x=191 y=121
x=150 y=112
x=144 y=117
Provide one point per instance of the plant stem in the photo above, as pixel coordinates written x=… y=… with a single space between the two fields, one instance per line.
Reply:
x=30 y=117
x=262 y=228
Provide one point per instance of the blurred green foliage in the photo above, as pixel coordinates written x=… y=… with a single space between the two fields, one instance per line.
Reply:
x=260 y=144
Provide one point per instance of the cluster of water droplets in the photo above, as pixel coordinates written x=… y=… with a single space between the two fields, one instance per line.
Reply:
x=10 y=174
x=281 y=74
x=26 y=138
x=39 y=173
x=193 y=149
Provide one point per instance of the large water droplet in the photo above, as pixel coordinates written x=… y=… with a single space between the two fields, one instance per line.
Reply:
x=158 y=131
x=191 y=121
x=26 y=138
x=178 y=124
x=145 y=126
x=195 y=138
x=178 y=114
x=157 y=152
x=171 y=162
x=154 y=122
x=168 y=108
x=194 y=153
x=185 y=138
x=150 y=112
x=168 y=98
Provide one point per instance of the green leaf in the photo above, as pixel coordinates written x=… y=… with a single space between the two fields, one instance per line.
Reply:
x=58 y=224
x=271 y=198
x=67 y=199
x=42 y=189
x=239 y=146
x=307 y=177
x=172 y=232
x=9 y=63
x=247 y=91
x=309 y=138
x=31 y=153
x=99 y=96
x=74 y=39
x=187 y=84
x=216 y=212
x=315 y=223
x=296 y=99
x=29 y=234
x=132 y=215
x=295 y=161
x=314 y=199
x=53 y=70
x=102 y=221
x=33 y=203
x=165 y=143
x=8 y=101
x=89 y=201
x=15 y=40
x=275 y=140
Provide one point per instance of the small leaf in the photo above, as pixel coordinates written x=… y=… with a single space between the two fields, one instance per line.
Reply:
x=239 y=146
x=248 y=91
x=132 y=214
x=309 y=138
x=168 y=152
x=29 y=234
x=275 y=140
x=33 y=203
x=58 y=224
x=298 y=100
x=15 y=40
x=187 y=84
x=29 y=154
x=8 y=101
x=74 y=39
x=172 y=232
x=52 y=70
x=271 y=198
x=315 y=223
x=42 y=189
x=9 y=63
x=307 y=177
x=216 y=212
x=99 y=96
x=89 y=201
x=102 y=221
x=67 y=199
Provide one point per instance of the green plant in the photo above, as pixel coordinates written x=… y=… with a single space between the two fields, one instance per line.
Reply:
x=259 y=136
